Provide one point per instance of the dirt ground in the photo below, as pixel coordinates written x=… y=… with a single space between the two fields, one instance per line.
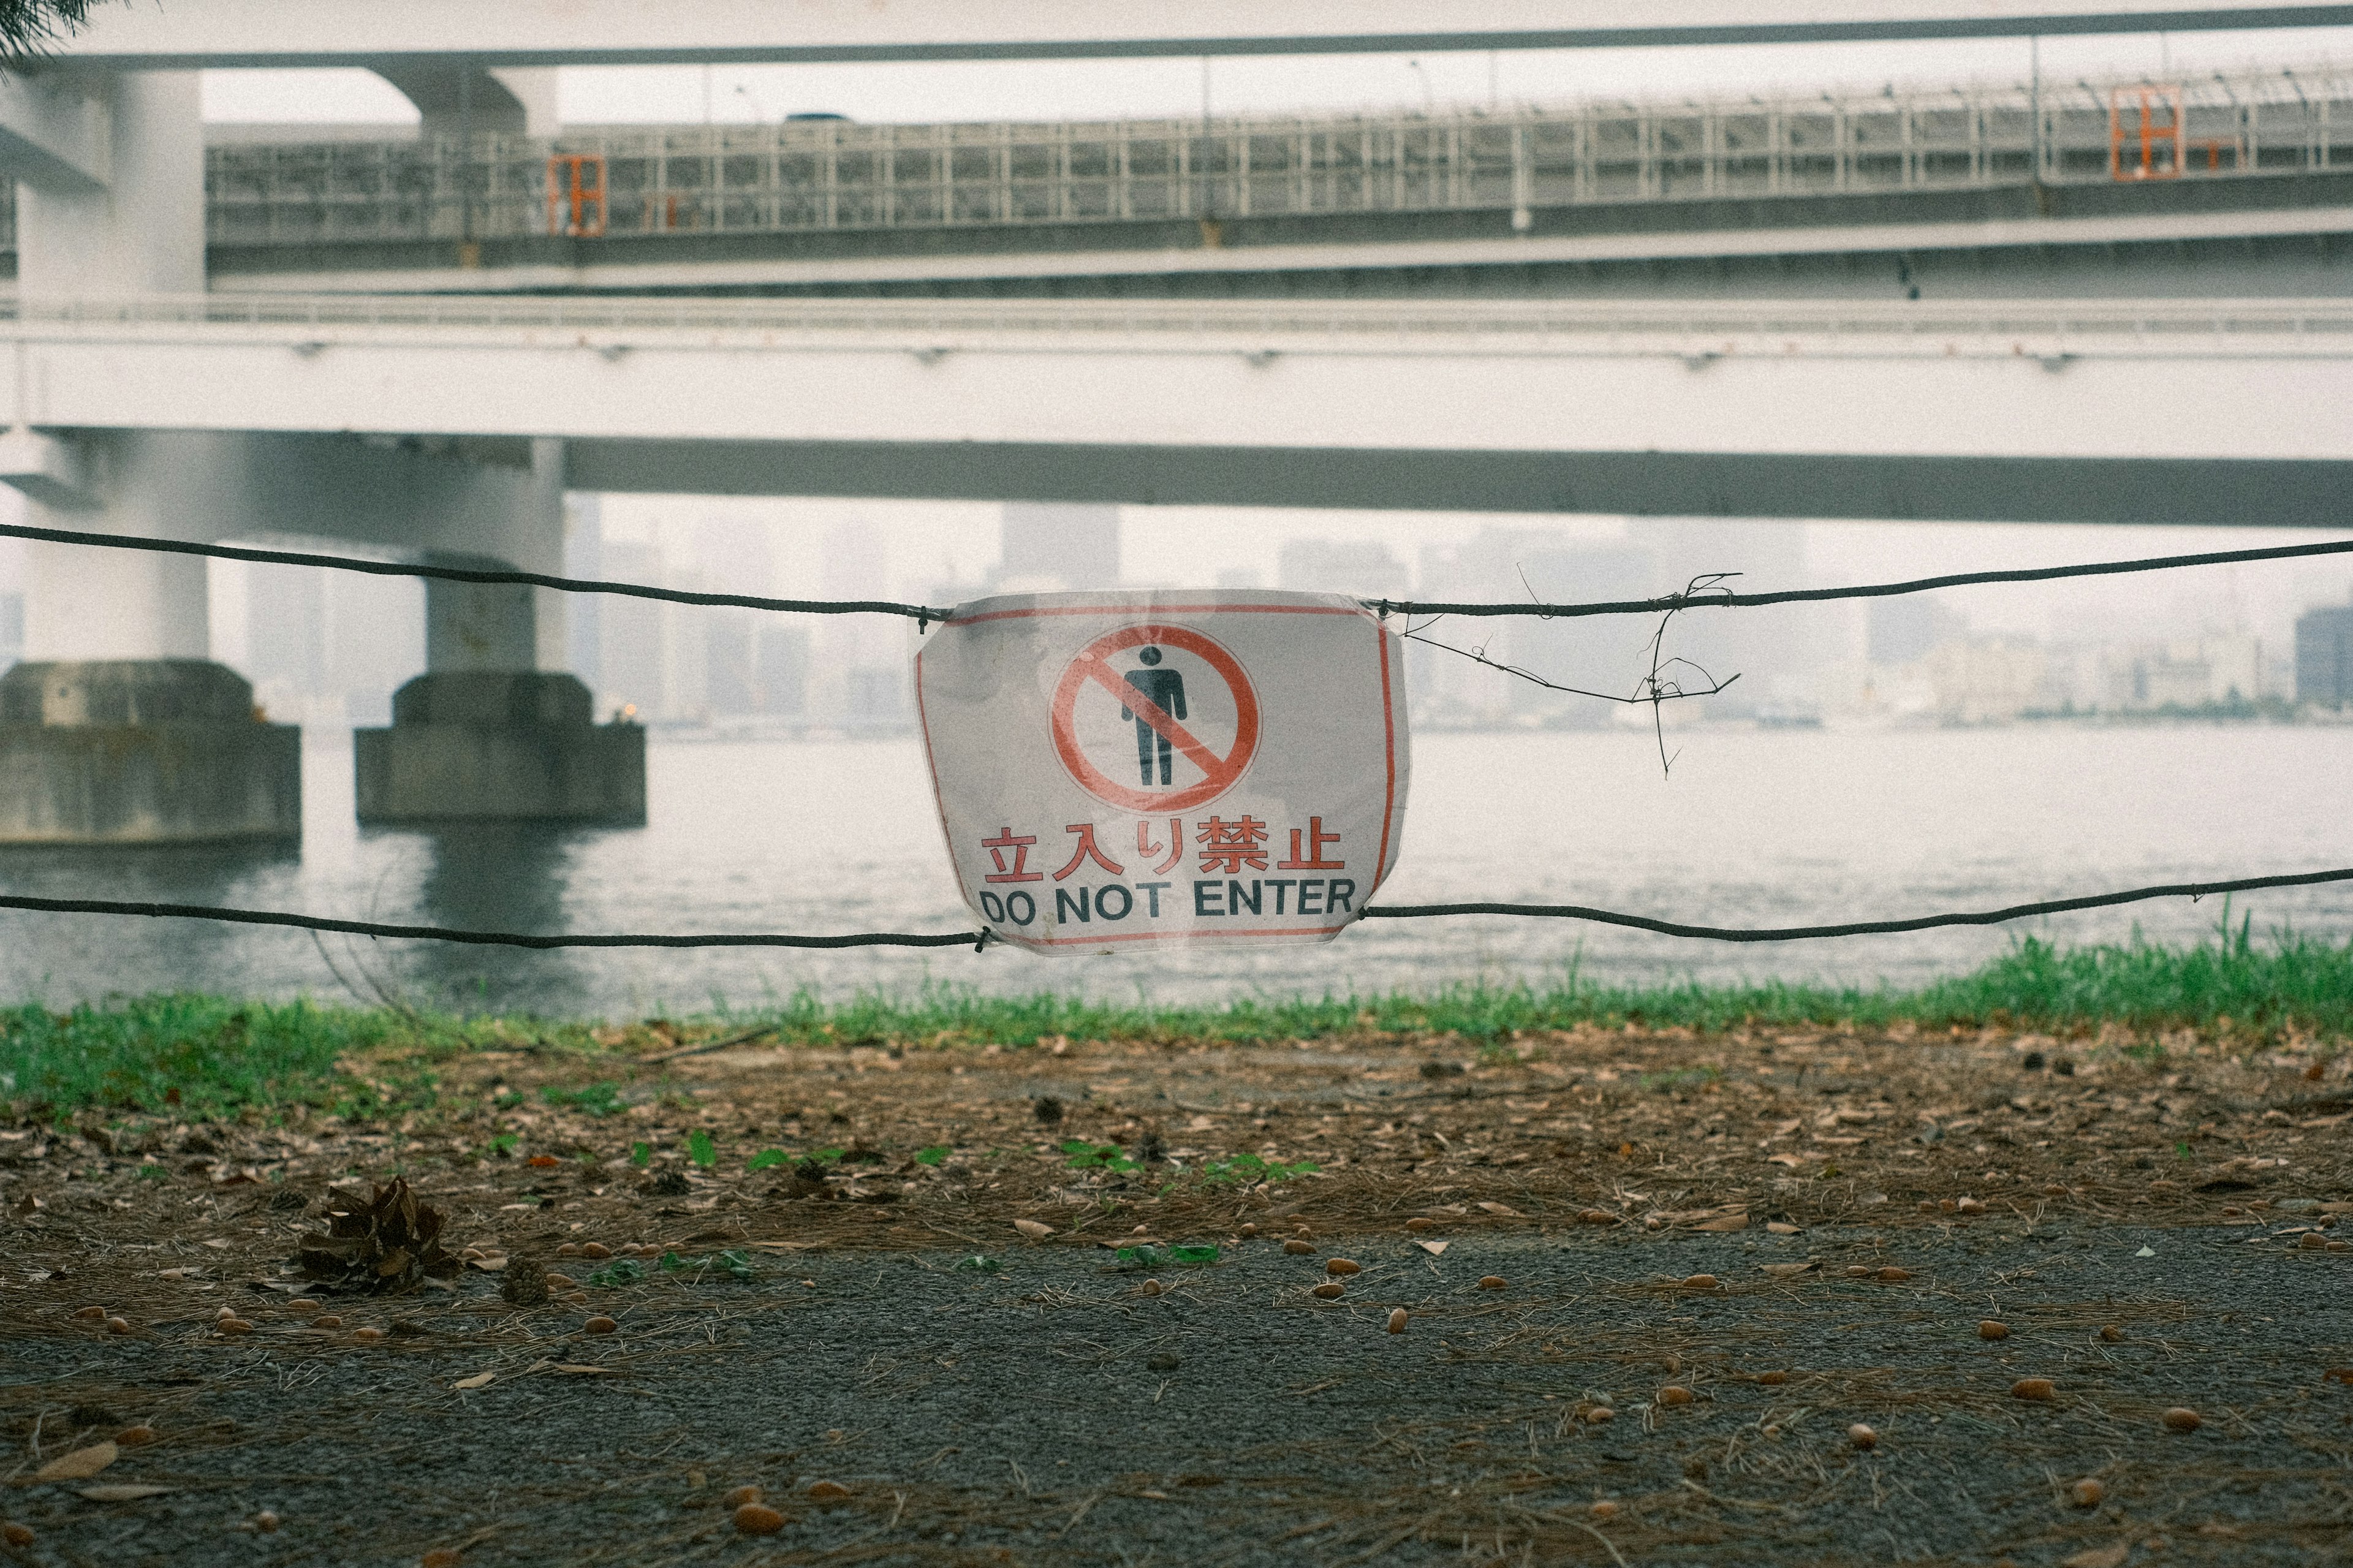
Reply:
x=1648 y=1283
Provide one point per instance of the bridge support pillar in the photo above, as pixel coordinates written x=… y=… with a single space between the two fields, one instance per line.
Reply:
x=485 y=734
x=119 y=729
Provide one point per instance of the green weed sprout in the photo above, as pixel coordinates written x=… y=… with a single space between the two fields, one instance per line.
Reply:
x=700 y=1149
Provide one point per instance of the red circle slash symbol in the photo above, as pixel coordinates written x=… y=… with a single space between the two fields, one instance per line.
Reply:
x=1093 y=665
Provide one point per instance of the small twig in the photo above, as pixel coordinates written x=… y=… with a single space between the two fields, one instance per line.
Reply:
x=707 y=1046
x=1606 y=1543
x=1656 y=687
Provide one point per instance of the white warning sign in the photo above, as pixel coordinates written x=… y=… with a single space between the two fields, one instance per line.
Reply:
x=1122 y=768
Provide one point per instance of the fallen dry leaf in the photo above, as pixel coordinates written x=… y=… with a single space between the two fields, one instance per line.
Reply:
x=827 y=1491
x=2099 y=1557
x=480 y=1380
x=1724 y=1223
x=1435 y=1248
x=127 y=1492
x=1033 y=1229
x=1505 y=1210
x=79 y=1465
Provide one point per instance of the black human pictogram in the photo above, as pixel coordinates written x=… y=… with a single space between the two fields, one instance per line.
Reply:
x=1165 y=689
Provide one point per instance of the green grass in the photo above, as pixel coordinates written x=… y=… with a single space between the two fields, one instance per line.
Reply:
x=199 y=1056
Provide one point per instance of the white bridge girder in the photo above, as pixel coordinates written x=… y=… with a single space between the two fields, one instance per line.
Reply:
x=1514 y=407
x=575 y=32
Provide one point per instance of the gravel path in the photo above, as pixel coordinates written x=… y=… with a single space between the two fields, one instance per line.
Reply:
x=1051 y=1407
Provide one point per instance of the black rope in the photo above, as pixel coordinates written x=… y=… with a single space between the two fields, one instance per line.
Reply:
x=981 y=939
x=475 y=574
x=924 y=615
x=1721 y=599
x=1861 y=928
x=475 y=938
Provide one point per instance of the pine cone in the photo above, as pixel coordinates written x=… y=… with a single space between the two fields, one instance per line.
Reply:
x=385 y=1243
x=523 y=1283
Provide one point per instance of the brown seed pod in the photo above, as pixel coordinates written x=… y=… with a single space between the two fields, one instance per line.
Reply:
x=1990 y=1330
x=1894 y=1275
x=118 y=1325
x=2181 y=1418
x=137 y=1436
x=1490 y=1282
x=758 y=1519
x=1339 y=1266
x=1330 y=1291
x=1421 y=1222
x=1605 y=1509
x=569 y=1249
x=20 y=1535
x=1595 y=1414
x=265 y=1522
x=439 y=1557
x=559 y=1283
x=2033 y=1388
x=2112 y=1334
x=742 y=1495
x=1772 y=1378
x=1250 y=1228
x=595 y=1249
x=1700 y=1282
x=369 y=1334
x=827 y=1491
x=97 y=1312
x=2087 y=1493
x=1396 y=1320
x=1152 y=1288
x=1299 y=1249
x=598 y=1325
x=233 y=1327
x=1674 y=1394
x=329 y=1322
x=1970 y=1206
x=1862 y=1436
x=303 y=1304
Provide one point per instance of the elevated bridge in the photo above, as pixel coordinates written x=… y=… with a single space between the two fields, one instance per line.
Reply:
x=2234 y=184
x=158 y=387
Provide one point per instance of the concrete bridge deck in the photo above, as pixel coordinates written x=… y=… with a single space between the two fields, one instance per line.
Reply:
x=2086 y=411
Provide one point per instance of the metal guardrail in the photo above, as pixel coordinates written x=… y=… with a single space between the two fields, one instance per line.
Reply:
x=2323 y=324
x=824 y=177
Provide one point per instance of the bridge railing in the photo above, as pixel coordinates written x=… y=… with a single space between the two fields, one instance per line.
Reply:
x=828 y=175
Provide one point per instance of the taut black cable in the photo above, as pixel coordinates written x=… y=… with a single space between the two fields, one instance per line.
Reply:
x=477 y=938
x=1378 y=912
x=1863 y=928
x=1726 y=600
x=474 y=575
x=927 y=613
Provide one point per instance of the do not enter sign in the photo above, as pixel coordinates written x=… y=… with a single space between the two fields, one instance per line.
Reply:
x=1122 y=768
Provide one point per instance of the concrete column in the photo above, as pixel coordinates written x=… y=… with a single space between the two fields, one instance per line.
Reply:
x=490 y=732
x=118 y=728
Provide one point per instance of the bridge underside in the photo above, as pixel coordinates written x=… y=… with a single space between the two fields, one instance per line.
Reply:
x=2206 y=492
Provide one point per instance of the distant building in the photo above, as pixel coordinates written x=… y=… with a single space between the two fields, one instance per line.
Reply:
x=1362 y=567
x=1985 y=681
x=2192 y=672
x=2323 y=656
x=1054 y=546
x=1904 y=631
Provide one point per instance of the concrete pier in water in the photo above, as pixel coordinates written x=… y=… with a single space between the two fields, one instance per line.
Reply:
x=143 y=752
